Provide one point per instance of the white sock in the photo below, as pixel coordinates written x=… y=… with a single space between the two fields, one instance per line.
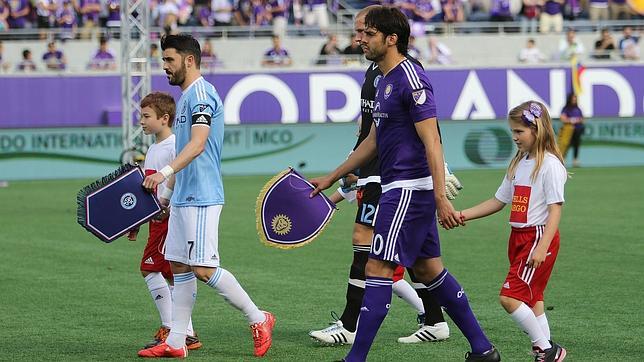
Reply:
x=161 y=296
x=184 y=295
x=525 y=318
x=190 y=330
x=405 y=291
x=227 y=286
x=545 y=327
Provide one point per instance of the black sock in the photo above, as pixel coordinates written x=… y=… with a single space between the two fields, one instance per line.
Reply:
x=433 y=311
x=355 y=287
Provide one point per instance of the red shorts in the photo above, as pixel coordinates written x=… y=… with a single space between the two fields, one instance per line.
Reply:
x=153 y=259
x=399 y=273
x=522 y=282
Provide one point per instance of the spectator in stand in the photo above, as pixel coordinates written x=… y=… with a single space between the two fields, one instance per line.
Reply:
x=438 y=52
x=453 y=11
x=26 y=64
x=604 y=46
x=330 y=53
x=407 y=7
x=500 y=11
x=412 y=50
x=531 y=54
x=530 y=10
x=619 y=9
x=551 y=17
x=46 y=12
x=18 y=14
x=243 y=12
x=222 y=12
x=113 y=19
x=168 y=14
x=66 y=19
x=628 y=45
x=185 y=17
x=278 y=9
x=477 y=10
x=209 y=60
x=53 y=58
x=261 y=14
x=4 y=15
x=316 y=13
x=205 y=16
x=423 y=13
x=89 y=11
x=4 y=66
x=103 y=59
x=353 y=48
x=598 y=10
x=155 y=56
x=276 y=56
x=570 y=46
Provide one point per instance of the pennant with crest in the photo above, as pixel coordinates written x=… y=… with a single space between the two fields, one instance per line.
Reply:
x=287 y=217
x=111 y=206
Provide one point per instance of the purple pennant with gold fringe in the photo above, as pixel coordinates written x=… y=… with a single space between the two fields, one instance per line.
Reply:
x=286 y=217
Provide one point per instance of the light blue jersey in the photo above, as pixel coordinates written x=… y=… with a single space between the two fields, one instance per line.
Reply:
x=200 y=183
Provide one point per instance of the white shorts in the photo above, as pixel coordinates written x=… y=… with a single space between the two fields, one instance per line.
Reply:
x=193 y=235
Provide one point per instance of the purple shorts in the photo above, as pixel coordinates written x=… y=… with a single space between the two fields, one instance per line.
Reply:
x=405 y=227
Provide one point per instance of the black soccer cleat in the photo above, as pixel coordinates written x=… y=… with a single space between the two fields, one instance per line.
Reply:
x=556 y=353
x=489 y=356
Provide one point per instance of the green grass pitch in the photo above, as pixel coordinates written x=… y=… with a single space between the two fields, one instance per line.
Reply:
x=64 y=295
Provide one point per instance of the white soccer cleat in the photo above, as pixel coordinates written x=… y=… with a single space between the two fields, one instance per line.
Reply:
x=334 y=335
x=435 y=333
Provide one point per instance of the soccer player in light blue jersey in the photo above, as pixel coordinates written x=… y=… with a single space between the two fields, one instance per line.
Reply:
x=197 y=201
x=405 y=137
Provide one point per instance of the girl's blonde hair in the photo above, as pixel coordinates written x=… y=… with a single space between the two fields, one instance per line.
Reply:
x=534 y=115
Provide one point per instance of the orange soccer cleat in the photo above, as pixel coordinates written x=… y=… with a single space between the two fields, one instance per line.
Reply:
x=263 y=334
x=163 y=350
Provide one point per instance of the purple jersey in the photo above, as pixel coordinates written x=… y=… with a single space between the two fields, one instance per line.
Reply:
x=422 y=6
x=278 y=56
x=14 y=7
x=574 y=115
x=403 y=97
x=54 y=60
x=500 y=8
x=276 y=4
x=552 y=7
x=91 y=15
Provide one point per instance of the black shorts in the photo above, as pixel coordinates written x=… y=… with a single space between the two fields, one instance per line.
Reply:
x=368 y=198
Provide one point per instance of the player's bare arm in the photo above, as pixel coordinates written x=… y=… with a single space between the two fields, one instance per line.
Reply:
x=428 y=132
x=485 y=208
x=363 y=154
x=198 y=138
x=539 y=254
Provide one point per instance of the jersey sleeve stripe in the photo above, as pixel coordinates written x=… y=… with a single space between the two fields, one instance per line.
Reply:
x=412 y=77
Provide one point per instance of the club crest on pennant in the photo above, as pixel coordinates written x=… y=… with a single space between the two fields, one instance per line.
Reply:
x=281 y=224
x=286 y=216
x=419 y=96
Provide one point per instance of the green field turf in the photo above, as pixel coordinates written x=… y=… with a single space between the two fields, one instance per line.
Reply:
x=64 y=295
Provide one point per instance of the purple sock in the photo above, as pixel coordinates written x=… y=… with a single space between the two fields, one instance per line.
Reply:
x=451 y=296
x=375 y=306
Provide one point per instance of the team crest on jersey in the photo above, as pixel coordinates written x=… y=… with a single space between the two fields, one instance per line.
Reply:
x=184 y=107
x=419 y=96
x=376 y=81
x=388 y=90
x=281 y=224
x=128 y=201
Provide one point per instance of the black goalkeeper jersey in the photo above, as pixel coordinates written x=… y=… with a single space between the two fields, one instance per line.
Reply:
x=370 y=172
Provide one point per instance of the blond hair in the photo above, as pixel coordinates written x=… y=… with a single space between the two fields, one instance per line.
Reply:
x=534 y=115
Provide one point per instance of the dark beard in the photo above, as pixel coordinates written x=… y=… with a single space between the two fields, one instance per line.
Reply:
x=179 y=77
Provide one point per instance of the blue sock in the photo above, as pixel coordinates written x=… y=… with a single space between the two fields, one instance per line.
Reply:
x=375 y=306
x=451 y=296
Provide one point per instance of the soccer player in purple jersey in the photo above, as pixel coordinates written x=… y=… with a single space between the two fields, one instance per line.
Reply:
x=405 y=137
